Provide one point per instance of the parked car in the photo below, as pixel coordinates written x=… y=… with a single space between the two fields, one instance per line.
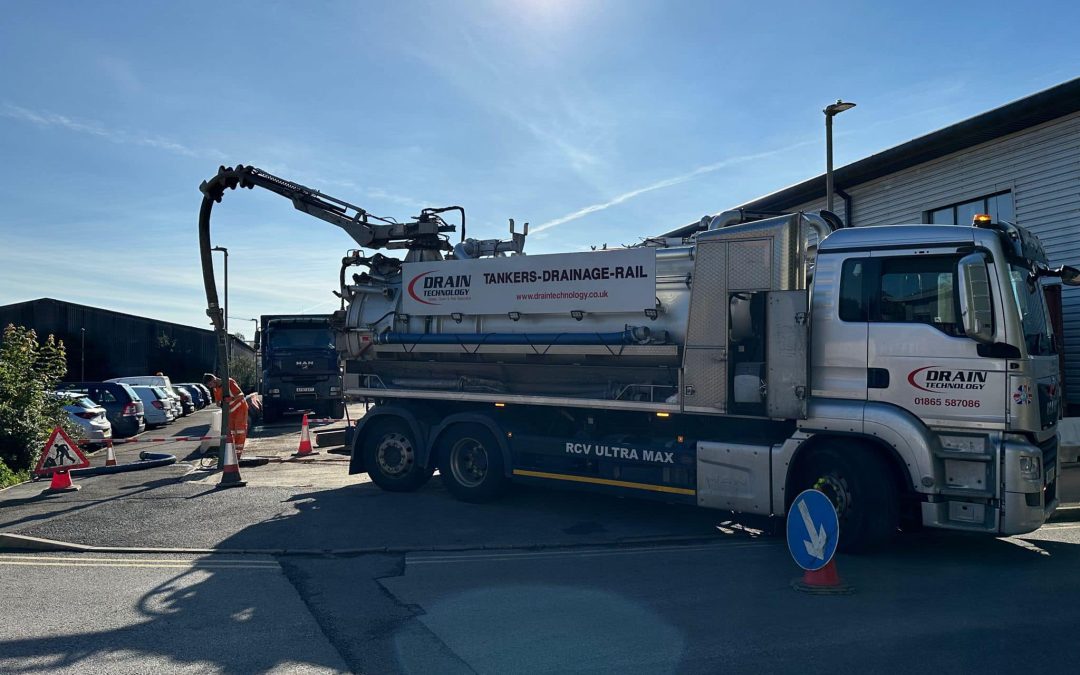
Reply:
x=197 y=395
x=123 y=406
x=159 y=410
x=187 y=403
x=206 y=390
x=155 y=381
x=94 y=428
x=144 y=380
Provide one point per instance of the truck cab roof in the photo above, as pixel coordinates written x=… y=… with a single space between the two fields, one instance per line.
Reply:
x=879 y=236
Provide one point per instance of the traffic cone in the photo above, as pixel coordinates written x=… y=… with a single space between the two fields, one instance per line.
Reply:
x=61 y=482
x=110 y=456
x=305 y=449
x=825 y=581
x=230 y=469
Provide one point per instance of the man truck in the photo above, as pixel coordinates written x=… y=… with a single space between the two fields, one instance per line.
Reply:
x=909 y=372
x=300 y=366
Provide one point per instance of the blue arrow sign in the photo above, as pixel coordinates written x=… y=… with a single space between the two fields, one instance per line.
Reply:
x=813 y=530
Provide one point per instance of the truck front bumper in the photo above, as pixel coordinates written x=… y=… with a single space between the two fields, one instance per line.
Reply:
x=1030 y=498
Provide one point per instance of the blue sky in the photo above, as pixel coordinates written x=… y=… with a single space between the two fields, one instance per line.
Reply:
x=597 y=122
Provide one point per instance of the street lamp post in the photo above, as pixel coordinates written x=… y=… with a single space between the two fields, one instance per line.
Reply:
x=831 y=110
x=82 y=355
x=228 y=342
x=256 y=332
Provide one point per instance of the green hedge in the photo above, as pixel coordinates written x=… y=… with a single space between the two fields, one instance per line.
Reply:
x=29 y=371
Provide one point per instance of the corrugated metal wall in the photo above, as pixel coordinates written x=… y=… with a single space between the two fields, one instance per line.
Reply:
x=1041 y=166
x=119 y=345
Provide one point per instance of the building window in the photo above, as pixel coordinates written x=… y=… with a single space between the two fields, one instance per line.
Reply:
x=999 y=206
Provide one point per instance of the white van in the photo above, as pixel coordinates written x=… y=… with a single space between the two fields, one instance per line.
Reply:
x=155 y=381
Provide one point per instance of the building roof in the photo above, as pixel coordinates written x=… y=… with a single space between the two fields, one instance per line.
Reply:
x=101 y=310
x=1024 y=113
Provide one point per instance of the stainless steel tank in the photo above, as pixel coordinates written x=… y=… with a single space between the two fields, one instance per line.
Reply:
x=650 y=357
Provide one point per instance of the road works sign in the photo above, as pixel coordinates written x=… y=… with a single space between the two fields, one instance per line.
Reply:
x=60 y=454
x=813 y=530
x=622 y=280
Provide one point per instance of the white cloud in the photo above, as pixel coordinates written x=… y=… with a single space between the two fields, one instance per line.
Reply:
x=51 y=120
x=667 y=182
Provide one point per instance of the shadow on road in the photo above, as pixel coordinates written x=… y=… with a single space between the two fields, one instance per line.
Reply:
x=683 y=609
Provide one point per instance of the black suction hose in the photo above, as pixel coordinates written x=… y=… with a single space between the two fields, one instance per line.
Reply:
x=147 y=460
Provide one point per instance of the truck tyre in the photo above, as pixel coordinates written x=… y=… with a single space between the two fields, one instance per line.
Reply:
x=389 y=453
x=858 y=481
x=471 y=463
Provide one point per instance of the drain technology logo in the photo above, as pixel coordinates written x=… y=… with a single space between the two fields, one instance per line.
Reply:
x=936 y=379
x=435 y=287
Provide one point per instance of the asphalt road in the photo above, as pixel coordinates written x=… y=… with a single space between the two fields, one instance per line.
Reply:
x=542 y=581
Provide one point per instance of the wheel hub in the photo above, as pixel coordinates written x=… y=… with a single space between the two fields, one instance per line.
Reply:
x=469 y=462
x=837 y=490
x=395 y=454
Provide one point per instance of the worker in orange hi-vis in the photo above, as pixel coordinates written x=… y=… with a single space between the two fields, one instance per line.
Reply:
x=238 y=409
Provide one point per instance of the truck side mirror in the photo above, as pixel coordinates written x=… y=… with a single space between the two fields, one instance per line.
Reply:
x=258 y=339
x=1070 y=276
x=976 y=309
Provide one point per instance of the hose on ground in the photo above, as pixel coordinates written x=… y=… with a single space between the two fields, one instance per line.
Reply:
x=147 y=460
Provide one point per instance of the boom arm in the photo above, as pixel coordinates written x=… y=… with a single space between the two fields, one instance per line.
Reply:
x=369 y=231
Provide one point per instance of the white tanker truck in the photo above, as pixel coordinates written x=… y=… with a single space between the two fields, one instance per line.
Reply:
x=909 y=372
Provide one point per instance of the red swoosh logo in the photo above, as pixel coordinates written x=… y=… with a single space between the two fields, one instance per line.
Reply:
x=912 y=374
x=413 y=292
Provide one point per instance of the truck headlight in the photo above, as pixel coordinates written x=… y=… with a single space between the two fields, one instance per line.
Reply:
x=1031 y=468
x=275 y=392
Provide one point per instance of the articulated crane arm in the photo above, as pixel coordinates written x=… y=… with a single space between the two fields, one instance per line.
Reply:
x=424 y=233
x=369 y=231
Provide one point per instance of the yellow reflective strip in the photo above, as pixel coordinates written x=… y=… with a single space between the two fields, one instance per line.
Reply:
x=606 y=481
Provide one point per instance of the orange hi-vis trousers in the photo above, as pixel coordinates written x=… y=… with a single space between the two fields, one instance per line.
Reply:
x=238 y=415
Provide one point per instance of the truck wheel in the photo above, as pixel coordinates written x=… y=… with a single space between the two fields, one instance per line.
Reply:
x=859 y=483
x=471 y=463
x=336 y=410
x=389 y=453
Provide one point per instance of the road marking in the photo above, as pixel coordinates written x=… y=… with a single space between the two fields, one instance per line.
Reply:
x=591 y=553
x=47 y=561
x=80 y=558
x=40 y=563
x=605 y=481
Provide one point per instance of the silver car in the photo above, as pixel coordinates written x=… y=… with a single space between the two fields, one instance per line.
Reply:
x=94 y=427
x=157 y=404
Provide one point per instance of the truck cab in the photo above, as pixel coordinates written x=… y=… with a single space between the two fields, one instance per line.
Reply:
x=300 y=366
x=938 y=339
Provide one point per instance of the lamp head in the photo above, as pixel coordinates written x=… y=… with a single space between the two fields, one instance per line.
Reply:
x=837 y=108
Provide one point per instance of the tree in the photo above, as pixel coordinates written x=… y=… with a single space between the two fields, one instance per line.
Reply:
x=242 y=369
x=29 y=372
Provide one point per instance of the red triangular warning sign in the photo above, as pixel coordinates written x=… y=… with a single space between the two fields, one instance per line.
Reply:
x=60 y=454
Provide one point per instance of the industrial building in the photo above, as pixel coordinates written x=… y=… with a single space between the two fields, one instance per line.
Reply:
x=102 y=343
x=1019 y=162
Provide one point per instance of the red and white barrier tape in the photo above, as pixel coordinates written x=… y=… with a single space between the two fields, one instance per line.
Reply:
x=138 y=439
x=118 y=441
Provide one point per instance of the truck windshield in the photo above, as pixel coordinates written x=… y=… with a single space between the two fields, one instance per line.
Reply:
x=301 y=338
x=1033 y=316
